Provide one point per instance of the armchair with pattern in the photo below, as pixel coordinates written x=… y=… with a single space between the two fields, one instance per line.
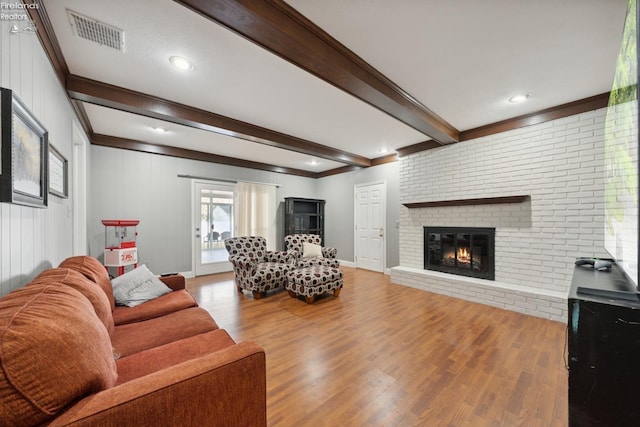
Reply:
x=257 y=269
x=294 y=243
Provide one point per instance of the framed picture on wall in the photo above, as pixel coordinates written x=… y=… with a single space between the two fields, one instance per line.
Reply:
x=24 y=152
x=58 y=173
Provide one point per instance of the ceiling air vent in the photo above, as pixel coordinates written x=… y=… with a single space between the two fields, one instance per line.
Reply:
x=96 y=31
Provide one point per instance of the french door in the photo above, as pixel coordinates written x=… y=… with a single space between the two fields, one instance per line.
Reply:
x=212 y=223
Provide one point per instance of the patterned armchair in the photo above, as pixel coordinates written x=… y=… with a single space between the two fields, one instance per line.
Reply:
x=293 y=243
x=257 y=269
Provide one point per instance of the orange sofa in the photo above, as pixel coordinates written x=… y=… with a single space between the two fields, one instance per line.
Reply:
x=70 y=356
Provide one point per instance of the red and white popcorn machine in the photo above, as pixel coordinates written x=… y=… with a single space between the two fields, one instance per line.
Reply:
x=120 y=243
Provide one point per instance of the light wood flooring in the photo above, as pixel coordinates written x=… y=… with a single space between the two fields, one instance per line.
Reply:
x=386 y=355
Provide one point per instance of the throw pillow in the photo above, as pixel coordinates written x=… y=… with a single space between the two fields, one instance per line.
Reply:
x=310 y=250
x=137 y=286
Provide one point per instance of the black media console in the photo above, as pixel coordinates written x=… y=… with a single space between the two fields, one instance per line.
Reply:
x=603 y=333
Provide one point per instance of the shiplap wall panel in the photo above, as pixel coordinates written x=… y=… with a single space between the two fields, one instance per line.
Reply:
x=131 y=185
x=33 y=239
x=5 y=224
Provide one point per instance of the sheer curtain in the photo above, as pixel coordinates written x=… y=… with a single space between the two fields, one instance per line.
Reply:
x=255 y=211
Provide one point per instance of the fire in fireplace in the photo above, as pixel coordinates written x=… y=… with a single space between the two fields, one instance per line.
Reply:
x=460 y=250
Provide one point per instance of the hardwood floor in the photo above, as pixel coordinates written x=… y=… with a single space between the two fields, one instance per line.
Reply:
x=387 y=355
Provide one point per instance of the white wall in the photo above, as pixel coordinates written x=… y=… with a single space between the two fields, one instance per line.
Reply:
x=559 y=164
x=338 y=190
x=133 y=185
x=32 y=239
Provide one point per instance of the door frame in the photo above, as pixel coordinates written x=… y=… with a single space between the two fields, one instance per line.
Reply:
x=384 y=221
x=80 y=244
x=224 y=266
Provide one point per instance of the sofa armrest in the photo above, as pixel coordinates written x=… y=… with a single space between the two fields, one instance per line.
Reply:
x=281 y=256
x=243 y=262
x=295 y=254
x=175 y=281
x=227 y=387
x=329 y=252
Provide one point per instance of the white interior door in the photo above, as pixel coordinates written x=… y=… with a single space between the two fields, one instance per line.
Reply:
x=370 y=222
x=212 y=223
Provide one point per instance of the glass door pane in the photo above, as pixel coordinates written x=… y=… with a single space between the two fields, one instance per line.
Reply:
x=463 y=252
x=448 y=250
x=214 y=223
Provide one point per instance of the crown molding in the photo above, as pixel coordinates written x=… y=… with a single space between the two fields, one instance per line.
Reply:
x=558 y=112
x=565 y=110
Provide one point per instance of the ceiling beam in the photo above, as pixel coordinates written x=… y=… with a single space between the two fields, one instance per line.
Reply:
x=338 y=171
x=279 y=28
x=416 y=148
x=105 y=95
x=389 y=158
x=145 y=147
x=52 y=47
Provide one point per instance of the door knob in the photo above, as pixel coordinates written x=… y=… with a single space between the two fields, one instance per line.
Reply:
x=381 y=232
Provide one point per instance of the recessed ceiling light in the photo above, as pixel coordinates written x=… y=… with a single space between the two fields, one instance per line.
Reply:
x=518 y=98
x=181 y=63
x=382 y=150
x=313 y=163
x=160 y=130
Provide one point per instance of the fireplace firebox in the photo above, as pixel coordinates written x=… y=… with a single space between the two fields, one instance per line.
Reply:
x=460 y=250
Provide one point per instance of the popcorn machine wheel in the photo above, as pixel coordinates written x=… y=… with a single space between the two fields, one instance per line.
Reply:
x=120 y=243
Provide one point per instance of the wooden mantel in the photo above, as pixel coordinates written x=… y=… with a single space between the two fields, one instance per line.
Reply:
x=466 y=202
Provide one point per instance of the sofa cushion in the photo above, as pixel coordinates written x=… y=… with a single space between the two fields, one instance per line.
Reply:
x=85 y=286
x=164 y=356
x=137 y=286
x=92 y=270
x=168 y=303
x=311 y=250
x=53 y=351
x=295 y=241
x=134 y=337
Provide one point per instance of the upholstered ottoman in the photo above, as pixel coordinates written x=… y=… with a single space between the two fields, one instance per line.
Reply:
x=313 y=281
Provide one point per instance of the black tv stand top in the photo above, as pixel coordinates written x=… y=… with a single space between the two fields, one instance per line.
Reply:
x=611 y=287
x=609 y=294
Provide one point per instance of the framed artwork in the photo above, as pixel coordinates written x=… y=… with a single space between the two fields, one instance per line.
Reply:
x=58 y=173
x=24 y=154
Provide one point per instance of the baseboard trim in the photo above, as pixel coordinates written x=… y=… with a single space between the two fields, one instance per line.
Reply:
x=347 y=263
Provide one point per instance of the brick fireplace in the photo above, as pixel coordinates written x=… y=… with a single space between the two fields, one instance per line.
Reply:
x=540 y=187
x=463 y=251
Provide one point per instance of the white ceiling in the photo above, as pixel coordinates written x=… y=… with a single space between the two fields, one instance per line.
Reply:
x=460 y=58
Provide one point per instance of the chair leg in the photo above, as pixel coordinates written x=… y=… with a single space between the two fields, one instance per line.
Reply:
x=336 y=292
x=257 y=295
x=309 y=300
x=239 y=289
x=292 y=294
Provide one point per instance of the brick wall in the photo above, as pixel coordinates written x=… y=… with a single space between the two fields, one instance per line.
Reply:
x=559 y=164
